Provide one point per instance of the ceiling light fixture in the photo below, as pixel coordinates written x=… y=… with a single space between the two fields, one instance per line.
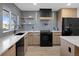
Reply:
x=68 y=4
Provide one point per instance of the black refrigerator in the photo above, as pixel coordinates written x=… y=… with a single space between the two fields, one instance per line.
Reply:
x=70 y=26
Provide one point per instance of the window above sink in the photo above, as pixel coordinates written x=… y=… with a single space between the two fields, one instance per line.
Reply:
x=10 y=21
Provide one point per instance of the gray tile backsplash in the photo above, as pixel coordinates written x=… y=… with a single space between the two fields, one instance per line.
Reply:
x=39 y=25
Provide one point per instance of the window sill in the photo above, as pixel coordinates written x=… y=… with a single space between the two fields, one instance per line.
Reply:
x=7 y=31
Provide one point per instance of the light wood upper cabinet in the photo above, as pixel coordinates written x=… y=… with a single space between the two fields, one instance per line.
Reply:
x=69 y=12
x=65 y=12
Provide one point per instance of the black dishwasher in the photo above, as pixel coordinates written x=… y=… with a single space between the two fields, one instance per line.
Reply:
x=45 y=38
x=20 y=47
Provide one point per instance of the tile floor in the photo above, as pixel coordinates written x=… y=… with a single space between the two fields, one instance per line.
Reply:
x=43 y=51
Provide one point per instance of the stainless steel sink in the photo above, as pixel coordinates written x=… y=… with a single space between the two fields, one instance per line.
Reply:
x=19 y=33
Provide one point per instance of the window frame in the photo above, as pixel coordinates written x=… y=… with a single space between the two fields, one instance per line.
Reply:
x=3 y=19
x=10 y=18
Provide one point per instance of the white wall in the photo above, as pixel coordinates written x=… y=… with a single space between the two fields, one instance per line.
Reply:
x=78 y=12
x=0 y=18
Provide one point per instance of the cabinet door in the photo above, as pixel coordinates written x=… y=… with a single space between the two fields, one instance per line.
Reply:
x=67 y=49
x=36 y=40
x=6 y=54
x=70 y=49
x=69 y=12
x=10 y=52
x=63 y=49
x=30 y=40
x=56 y=38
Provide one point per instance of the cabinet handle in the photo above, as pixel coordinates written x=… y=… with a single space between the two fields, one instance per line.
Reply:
x=69 y=49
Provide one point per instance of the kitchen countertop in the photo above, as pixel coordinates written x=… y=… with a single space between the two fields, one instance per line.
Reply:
x=39 y=31
x=71 y=39
x=8 y=41
x=56 y=31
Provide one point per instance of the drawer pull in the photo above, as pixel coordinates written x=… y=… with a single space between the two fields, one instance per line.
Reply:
x=69 y=49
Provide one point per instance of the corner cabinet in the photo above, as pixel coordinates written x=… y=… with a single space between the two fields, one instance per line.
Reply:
x=68 y=49
x=10 y=52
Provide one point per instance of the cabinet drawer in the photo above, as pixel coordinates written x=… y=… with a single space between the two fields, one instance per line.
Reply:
x=56 y=33
x=30 y=33
x=36 y=33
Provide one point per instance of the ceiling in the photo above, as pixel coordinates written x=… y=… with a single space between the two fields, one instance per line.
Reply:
x=53 y=6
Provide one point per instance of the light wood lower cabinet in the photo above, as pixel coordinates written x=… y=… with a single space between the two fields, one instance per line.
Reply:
x=36 y=40
x=33 y=38
x=10 y=52
x=68 y=49
x=30 y=40
x=56 y=38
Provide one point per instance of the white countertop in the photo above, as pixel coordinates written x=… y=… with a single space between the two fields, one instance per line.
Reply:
x=39 y=31
x=56 y=31
x=8 y=41
x=72 y=39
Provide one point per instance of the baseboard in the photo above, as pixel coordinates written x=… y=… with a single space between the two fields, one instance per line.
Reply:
x=34 y=45
x=56 y=44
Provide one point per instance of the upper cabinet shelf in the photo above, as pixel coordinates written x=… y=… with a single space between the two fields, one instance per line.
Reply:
x=27 y=18
x=45 y=18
